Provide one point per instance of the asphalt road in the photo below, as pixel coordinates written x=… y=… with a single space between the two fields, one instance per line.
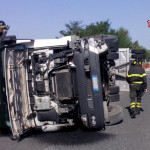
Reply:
x=131 y=134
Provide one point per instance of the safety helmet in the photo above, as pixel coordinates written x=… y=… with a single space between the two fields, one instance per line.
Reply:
x=137 y=62
x=2 y=25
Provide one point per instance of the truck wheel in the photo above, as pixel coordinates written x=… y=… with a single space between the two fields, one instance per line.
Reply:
x=138 y=51
x=112 y=63
x=113 y=89
x=114 y=97
x=138 y=56
x=115 y=113
x=112 y=42
x=112 y=55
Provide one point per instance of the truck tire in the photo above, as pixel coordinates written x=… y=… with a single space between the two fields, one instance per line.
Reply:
x=112 y=55
x=138 y=51
x=114 y=97
x=112 y=42
x=112 y=63
x=138 y=56
x=115 y=114
x=113 y=89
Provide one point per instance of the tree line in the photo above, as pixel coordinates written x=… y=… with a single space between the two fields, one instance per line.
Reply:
x=102 y=27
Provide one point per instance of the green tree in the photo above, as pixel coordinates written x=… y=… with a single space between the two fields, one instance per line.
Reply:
x=77 y=28
x=124 y=38
x=135 y=45
x=72 y=28
x=102 y=27
x=148 y=55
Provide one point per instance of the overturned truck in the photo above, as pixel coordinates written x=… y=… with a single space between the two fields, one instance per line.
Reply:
x=56 y=83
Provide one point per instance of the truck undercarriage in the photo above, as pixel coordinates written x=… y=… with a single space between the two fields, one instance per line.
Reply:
x=63 y=82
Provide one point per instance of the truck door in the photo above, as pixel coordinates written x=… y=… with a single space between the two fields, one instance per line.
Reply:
x=16 y=80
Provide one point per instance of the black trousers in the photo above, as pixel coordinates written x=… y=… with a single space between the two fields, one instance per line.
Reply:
x=136 y=92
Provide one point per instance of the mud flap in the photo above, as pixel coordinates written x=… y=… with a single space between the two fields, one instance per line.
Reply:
x=17 y=90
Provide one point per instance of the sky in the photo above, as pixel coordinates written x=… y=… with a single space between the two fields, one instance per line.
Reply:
x=42 y=19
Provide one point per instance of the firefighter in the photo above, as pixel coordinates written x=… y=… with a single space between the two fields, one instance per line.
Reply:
x=136 y=77
x=3 y=28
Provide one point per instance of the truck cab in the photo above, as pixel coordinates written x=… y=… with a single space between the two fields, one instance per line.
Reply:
x=55 y=83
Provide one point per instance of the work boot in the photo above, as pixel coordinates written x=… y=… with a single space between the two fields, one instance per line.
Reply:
x=133 y=114
x=137 y=111
x=138 y=107
x=133 y=109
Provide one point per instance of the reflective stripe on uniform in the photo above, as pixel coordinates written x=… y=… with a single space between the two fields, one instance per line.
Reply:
x=138 y=103
x=132 y=106
x=138 y=82
x=133 y=103
x=136 y=75
x=3 y=27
